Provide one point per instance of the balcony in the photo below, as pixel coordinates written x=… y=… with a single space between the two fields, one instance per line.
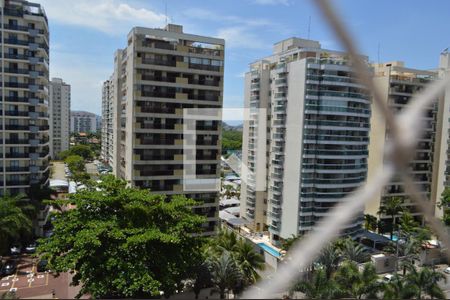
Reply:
x=16 y=42
x=204 y=97
x=17 y=169
x=159 y=62
x=204 y=82
x=157 y=78
x=15 y=56
x=16 y=85
x=204 y=67
x=17 y=155
x=158 y=94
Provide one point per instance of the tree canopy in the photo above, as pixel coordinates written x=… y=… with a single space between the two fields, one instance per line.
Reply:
x=85 y=151
x=75 y=163
x=124 y=242
x=231 y=140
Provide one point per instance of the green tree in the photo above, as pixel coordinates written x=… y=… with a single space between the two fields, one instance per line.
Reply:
x=15 y=219
x=248 y=261
x=319 y=287
x=353 y=251
x=424 y=282
x=84 y=151
x=231 y=140
x=370 y=222
x=357 y=284
x=225 y=273
x=397 y=288
x=392 y=206
x=329 y=260
x=124 y=242
x=444 y=204
x=75 y=163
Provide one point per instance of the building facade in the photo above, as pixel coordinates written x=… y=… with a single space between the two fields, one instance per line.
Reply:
x=160 y=73
x=398 y=84
x=24 y=93
x=313 y=151
x=59 y=108
x=107 y=153
x=441 y=176
x=83 y=121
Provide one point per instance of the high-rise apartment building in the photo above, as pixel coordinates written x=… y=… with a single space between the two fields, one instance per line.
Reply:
x=107 y=153
x=83 y=121
x=441 y=176
x=398 y=84
x=160 y=73
x=59 y=108
x=313 y=151
x=24 y=39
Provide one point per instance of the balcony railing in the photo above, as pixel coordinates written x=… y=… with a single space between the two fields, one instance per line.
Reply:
x=159 y=62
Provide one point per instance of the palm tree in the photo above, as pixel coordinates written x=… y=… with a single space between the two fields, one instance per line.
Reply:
x=14 y=218
x=353 y=251
x=329 y=259
x=225 y=240
x=249 y=261
x=397 y=288
x=320 y=287
x=225 y=273
x=408 y=252
x=425 y=282
x=392 y=207
x=370 y=222
x=355 y=284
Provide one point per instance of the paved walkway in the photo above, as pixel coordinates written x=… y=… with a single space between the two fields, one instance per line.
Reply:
x=58 y=170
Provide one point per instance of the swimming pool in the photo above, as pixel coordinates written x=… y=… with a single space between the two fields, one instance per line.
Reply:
x=269 y=249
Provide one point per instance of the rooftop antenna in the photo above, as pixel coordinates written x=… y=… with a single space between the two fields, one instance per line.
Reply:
x=309 y=27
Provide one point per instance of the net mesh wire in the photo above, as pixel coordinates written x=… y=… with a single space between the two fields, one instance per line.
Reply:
x=404 y=130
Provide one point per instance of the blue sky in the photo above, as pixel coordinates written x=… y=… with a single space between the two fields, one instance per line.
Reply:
x=84 y=34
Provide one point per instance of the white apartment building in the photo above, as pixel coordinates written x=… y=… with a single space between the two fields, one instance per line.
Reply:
x=441 y=176
x=24 y=74
x=59 y=107
x=398 y=84
x=83 y=121
x=158 y=74
x=313 y=151
x=24 y=128
x=107 y=153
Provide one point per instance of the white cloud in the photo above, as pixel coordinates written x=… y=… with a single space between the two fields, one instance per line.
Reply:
x=109 y=16
x=271 y=2
x=204 y=14
x=239 y=37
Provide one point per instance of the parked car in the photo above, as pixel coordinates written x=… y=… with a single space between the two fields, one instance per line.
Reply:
x=388 y=277
x=447 y=270
x=42 y=265
x=9 y=268
x=30 y=248
x=15 y=249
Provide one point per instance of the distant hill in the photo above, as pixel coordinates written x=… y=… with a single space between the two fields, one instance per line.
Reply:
x=229 y=127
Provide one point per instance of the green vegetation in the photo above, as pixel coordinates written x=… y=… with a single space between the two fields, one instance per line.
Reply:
x=15 y=220
x=124 y=242
x=85 y=151
x=444 y=204
x=337 y=275
x=75 y=163
x=232 y=263
x=231 y=140
x=392 y=207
